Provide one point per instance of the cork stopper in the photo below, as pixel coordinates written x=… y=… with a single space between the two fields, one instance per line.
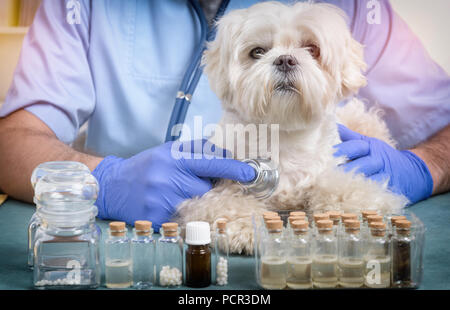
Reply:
x=325 y=226
x=334 y=214
x=397 y=218
x=348 y=216
x=269 y=214
x=143 y=228
x=272 y=218
x=367 y=213
x=117 y=229
x=221 y=225
x=378 y=229
x=297 y=213
x=374 y=218
x=300 y=227
x=351 y=226
x=170 y=229
x=296 y=218
x=403 y=227
x=321 y=217
x=274 y=225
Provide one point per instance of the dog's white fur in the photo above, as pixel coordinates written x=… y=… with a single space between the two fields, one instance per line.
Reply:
x=307 y=114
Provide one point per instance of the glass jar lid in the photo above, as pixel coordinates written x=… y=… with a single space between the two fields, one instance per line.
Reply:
x=55 y=166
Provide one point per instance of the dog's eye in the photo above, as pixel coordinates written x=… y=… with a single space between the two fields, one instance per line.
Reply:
x=314 y=50
x=257 y=52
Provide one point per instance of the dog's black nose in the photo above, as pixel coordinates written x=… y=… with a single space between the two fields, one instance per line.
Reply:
x=285 y=63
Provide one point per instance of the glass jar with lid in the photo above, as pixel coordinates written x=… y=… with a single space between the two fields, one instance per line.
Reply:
x=40 y=171
x=66 y=245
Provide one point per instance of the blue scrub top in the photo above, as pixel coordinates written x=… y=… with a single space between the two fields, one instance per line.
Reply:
x=120 y=68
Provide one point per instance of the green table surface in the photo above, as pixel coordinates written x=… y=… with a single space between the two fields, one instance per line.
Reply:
x=434 y=213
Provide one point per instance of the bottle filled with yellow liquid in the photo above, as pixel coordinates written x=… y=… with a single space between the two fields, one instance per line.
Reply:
x=377 y=260
x=118 y=262
x=299 y=257
x=325 y=256
x=273 y=260
x=351 y=256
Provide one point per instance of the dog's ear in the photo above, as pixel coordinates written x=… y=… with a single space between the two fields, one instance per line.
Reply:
x=221 y=55
x=352 y=68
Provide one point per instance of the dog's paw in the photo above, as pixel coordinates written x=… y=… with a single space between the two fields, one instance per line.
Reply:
x=241 y=236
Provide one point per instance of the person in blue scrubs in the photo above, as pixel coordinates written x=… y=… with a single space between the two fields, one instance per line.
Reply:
x=118 y=64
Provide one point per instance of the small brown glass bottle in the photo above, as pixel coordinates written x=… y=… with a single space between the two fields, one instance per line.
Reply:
x=401 y=254
x=198 y=254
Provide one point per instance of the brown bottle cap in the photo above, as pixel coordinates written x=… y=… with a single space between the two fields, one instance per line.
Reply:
x=397 y=218
x=143 y=227
x=323 y=224
x=334 y=214
x=117 y=228
x=349 y=216
x=320 y=217
x=297 y=213
x=274 y=224
x=403 y=224
x=170 y=229
x=374 y=218
x=378 y=229
x=301 y=225
x=366 y=213
x=269 y=214
x=296 y=218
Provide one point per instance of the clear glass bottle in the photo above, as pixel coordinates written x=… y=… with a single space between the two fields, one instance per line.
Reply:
x=143 y=253
x=273 y=261
x=351 y=256
x=401 y=254
x=266 y=180
x=66 y=243
x=118 y=262
x=198 y=254
x=299 y=259
x=170 y=256
x=377 y=260
x=325 y=256
x=222 y=249
x=40 y=171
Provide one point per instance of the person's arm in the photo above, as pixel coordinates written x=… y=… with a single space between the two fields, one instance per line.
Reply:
x=436 y=154
x=26 y=141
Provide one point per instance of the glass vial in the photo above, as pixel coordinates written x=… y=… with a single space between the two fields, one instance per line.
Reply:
x=222 y=249
x=377 y=261
x=143 y=254
x=170 y=256
x=198 y=254
x=40 y=171
x=401 y=254
x=299 y=257
x=273 y=261
x=325 y=256
x=118 y=263
x=266 y=180
x=351 y=256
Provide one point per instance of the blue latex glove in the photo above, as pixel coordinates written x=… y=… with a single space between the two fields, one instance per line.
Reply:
x=407 y=173
x=149 y=185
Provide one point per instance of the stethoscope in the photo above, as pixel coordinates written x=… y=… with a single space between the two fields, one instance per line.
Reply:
x=194 y=71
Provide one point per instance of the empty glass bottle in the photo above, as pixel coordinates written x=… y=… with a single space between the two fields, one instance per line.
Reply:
x=299 y=259
x=118 y=262
x=401 y=254
x=377 y=261
x=40 y=171
x=170 y=256
x=222 y=249
x=351 y=256
x=266 y=180
x=273 y=260
x=143 y=254
x=325 y=256
x=66 y=243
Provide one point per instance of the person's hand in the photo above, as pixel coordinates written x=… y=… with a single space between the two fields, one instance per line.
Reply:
x=149 y=185
x=406 y=173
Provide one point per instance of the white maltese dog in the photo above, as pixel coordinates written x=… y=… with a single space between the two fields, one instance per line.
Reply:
x=291 y=65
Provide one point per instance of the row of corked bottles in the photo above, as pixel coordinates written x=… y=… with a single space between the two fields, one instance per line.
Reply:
x=143 y=262
x=334 y=249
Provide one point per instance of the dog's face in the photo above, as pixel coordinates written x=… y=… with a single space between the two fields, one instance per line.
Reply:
x=273 y=63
